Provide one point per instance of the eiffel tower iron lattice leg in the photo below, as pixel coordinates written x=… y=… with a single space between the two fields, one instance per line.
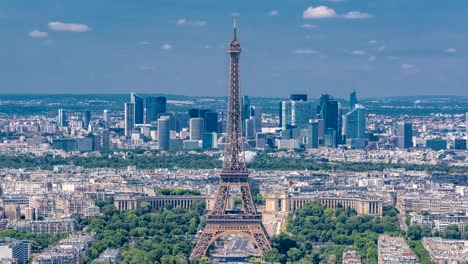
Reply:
x=220 y=221
x=255 y=232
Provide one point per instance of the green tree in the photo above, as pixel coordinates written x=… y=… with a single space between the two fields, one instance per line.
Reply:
x=414 y=232
x=294 y=254
x=205 y=260
x=273 y=256
x=451 y=232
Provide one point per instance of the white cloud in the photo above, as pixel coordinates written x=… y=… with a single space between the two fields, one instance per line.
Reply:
x=327 y=12
x=304 y=52
x=357 y=15
x=451 y=50
x=185 y=22
x=166 y=46
x=319 y=12
x=181 y=21
x=359 y=52
x=60 y=26
x=273 y=13
x=207 y=46
x=381 y=48
x=308 y=26
x=38 y=34
x=372 y=58
x=373 y=41
x=408 y=68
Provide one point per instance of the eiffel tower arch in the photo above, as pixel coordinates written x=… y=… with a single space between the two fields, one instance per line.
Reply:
x=246 y=222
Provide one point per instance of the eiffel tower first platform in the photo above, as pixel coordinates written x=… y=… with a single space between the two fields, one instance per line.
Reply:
x=234 y=175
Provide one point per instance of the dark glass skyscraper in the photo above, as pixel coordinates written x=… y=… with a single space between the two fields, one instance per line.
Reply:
x=405 y=135
x=155 y=106
x=245 y=108
x=312 y=136
x=129 y=117
x=86 y=119
x=329 y=114
x=193 y=113
x=298 y=97
x=137 y=102
x=352 y=100
x=211 y=122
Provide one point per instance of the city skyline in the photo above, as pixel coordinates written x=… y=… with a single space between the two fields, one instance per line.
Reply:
x=275 y=174
x=301 y=47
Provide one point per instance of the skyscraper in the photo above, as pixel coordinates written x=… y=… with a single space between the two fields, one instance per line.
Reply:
x=355 y=127
x=211 y=122
x=301 y=113
x=313 y=137
x=298 y=97
x=163 y=133
x=245 y=107
x=405 y=135
x=86 y=119
x=280 y=114
x=352 y=100
x=257 y=114
x=285 y=116
x=296 y=113
x=155 y=106
x=193 y=112
x=137 y=102
x=250 y=128
x=106 y=116
x=62 y=118
x=196 y=128
x=329 y=114
x=209 y=141
x=355 y=123
x=330 y=138
x=129 y=118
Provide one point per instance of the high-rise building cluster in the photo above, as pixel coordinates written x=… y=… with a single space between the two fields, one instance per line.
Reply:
x=138 y=113
x=197 y=128
x=296 y=123
x=299 y=123
x=326 y=124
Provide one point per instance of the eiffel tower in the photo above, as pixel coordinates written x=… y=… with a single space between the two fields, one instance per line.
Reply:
x=234 y=175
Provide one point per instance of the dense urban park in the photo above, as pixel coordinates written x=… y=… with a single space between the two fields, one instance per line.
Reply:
x=198 y=160
x=314 y=234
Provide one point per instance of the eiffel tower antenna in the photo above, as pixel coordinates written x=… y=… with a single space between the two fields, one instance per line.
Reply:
x=220 y=221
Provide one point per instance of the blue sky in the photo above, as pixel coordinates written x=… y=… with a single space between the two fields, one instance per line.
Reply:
x=378 y=47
